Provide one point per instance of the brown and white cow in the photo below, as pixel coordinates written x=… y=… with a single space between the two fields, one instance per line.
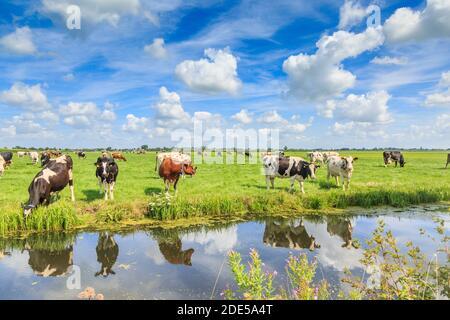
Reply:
x=171 y=171
x=341 y=167
x=118 y=156
x=53 y=178
x=176 y=156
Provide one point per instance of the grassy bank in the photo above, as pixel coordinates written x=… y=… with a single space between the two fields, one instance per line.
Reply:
x=235 y=191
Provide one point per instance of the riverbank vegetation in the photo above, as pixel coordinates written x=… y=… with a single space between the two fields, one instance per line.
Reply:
x=217 y=190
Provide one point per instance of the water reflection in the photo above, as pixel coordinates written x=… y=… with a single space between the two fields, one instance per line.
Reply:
x=342 y=227
x=170 y=246
x=289 y=234
x=107 y=252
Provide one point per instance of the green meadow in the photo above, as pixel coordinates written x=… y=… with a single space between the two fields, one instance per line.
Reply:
x=217 y=191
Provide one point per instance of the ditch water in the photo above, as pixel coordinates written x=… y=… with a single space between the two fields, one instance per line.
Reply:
x=191 y=263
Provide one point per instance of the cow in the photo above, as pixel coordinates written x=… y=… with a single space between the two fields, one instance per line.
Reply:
x=34 y=156
x=393 y=156
x=2 y=165
x=47 y=155
x=51 y=262
x=289 y=236
x=107 y=252
x=448 y=160
x=53 y=178
x=7 y=156
x=118 y=156
x=172 y=251
x=81 y=155
x=342 y=227
x=341 y=167
x=21 y=154
x=171 y=171
x=175 y=156
x=328 y=154
x=315 y=156
x=106 y=173
x=294 y=168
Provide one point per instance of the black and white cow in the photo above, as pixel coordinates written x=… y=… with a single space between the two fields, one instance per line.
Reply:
x=393 y=156
x=81 y=155
x=7 y=156
x=53 y=178
x=294 y=168
x=106 y=173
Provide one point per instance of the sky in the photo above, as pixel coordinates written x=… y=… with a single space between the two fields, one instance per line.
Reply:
x=324 y=74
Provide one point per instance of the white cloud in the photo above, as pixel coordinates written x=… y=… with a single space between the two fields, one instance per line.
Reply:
x=169 y=110
x=285 y=126
x=26 y=97
x=243 y=116
x=9 y=131
x=215 y=242
x=361 y=130
x=370 y=107
x=95 y=11
x=217 y=73
x=409 y=25
x=136 y=124
x=79 y=108
x=19 y=42
x=49 y=116
x=156 y=49
x=271 y=117
x=86 y=114
x=389 y=60
x=440 y=98
x=321 y=76
x=69 y=77
x=351 y=13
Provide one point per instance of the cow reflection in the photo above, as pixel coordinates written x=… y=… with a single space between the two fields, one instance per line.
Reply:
x=107 y=253
x=4 y=254
x=51 y=263
x=289 y=236
x=172 y=251
x=342 y=227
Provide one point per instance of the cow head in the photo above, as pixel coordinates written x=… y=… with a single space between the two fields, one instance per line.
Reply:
x=347 y=163
x=45 y=158
x=189 y=169
x=103 y=164
x=310 y=168
x=27 y=209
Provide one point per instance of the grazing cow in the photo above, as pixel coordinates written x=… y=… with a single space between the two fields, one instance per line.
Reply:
x=173 y=253
x=118 y=156
x=393 y=156
x=288 y=236
x=294 y=168
x=175 y=156
x=171 y=171
x=21 y=154
x=106 y=173
x=341 y=167
x=48 y=155
x=7 y=156
x=34 y=156
x=107 y=253
x=315 y=156
x=448 y=160
x=81 y=155
x=54 y=177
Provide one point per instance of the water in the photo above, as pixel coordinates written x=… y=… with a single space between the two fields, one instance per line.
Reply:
x=185 y=263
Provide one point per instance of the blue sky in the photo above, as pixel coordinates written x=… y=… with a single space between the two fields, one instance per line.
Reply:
x=138 y=70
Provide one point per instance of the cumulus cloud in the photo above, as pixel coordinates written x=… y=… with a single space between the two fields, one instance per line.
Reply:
x=19 y=42
x=169 y=111
x=389 y=60
x=216 y=241
x=85 y=114
x=26 y=97
x=24 y=124
x=370 y=107
x=321 y=76
x=362 y=130
x=243 y=117
x=285 y=126
x=217 y=73
x=351 y=13
x=95 y=11
x=440 y=98
x=136 y=124
x=156 y=49
x=271 y=117
x=406 y=24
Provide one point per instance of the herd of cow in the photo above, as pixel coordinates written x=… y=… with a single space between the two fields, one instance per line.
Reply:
x=56 y=172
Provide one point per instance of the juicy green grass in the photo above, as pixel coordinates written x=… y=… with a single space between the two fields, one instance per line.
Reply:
x=219 y=189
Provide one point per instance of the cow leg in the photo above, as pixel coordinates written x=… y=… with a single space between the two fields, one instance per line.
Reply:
x=72 y=193
x=268 y=182
x=106 y=187
x=272 y=181
x=175 y=184
x=100 y=185
x=396 y=163
x=111 y=190
x=291 y=188
x=337 y=180
x=301 y=186
x=167 y=184
x=447 y=164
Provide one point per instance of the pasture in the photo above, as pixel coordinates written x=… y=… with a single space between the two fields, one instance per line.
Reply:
x=233 y=190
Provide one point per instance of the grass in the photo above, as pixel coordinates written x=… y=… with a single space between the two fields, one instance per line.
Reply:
x=236 y=190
